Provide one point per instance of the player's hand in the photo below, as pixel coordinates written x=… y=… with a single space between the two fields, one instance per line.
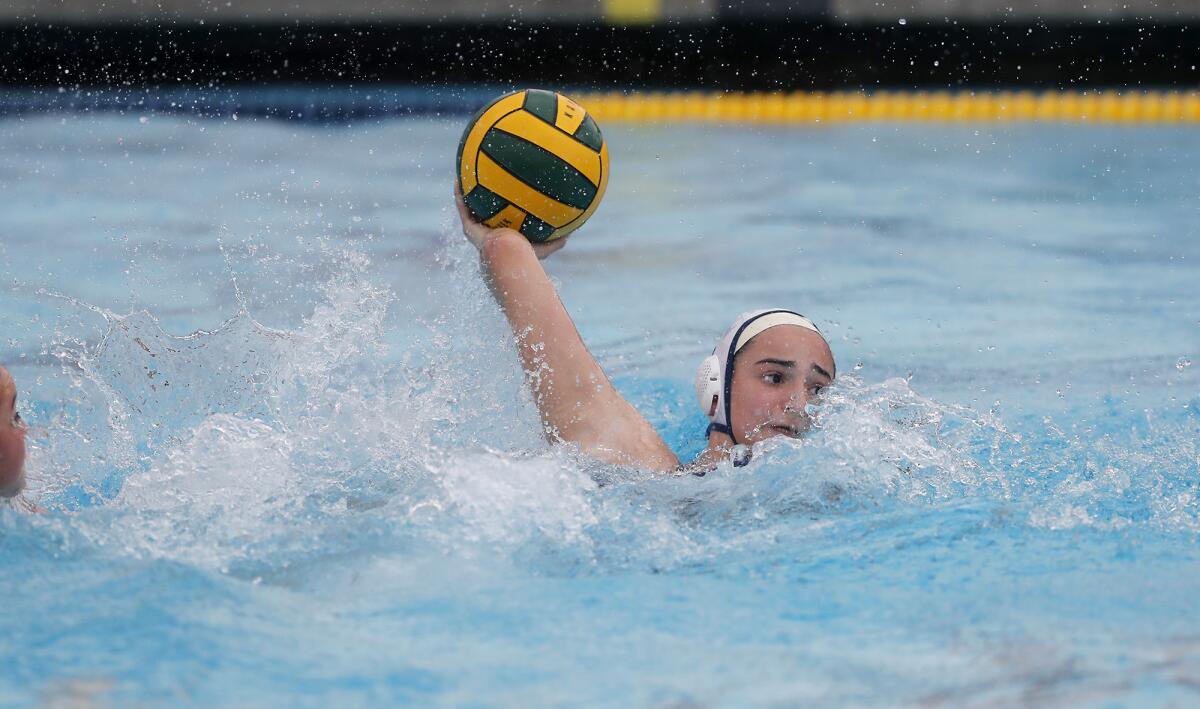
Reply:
x=479 y=233
x=476 y=232
x=546 y=248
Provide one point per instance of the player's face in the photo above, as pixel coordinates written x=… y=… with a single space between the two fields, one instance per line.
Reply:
x=775 y=376
x=12 y=438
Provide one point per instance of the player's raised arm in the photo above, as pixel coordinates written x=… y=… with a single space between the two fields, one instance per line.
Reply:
x=575 y=399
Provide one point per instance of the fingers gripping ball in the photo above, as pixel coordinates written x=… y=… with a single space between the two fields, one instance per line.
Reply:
x=533 y=161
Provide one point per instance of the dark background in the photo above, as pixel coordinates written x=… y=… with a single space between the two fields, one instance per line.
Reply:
x=721 y=45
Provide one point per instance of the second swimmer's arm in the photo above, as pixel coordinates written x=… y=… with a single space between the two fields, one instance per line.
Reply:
x=575 y=400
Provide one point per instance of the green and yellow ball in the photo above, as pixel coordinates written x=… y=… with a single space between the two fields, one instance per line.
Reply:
x=533 y=161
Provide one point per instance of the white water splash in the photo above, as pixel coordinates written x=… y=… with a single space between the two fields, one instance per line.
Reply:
x=249 y=450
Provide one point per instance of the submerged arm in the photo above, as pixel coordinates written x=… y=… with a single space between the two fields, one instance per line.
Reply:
x=575 y=400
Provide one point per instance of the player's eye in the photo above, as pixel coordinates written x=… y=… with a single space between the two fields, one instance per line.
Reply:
x=772 y=378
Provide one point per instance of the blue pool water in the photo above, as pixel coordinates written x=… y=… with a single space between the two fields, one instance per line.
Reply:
x=286 y=454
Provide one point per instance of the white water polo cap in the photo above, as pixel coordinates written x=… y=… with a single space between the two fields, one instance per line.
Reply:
x=714 y=379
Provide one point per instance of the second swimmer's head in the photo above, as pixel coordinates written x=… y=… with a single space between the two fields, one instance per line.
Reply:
x=766 y=369
x=12 y=438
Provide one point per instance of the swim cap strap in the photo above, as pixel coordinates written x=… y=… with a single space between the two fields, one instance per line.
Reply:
x=719 y=428
x=736 y=343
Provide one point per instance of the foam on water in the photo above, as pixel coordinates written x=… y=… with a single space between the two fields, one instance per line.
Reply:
x=250 y=450
x=340 y=493
x=303 y=458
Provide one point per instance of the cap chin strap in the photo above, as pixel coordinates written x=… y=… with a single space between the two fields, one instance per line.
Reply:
x=738 y=453
x=721 y=428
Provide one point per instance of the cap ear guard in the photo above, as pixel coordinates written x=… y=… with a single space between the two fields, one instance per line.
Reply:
x=708 y=385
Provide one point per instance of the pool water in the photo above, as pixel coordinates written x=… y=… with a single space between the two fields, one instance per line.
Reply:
x=286 y=454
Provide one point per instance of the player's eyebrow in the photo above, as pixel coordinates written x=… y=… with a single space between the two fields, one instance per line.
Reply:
x=780 y=362
x=821 y=370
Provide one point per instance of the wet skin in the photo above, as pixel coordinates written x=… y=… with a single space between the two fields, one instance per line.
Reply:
x=12 y=438
x=775 y=376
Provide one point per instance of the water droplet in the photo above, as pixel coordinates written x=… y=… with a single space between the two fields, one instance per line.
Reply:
x=1183 y=363
x=143 y=120
x=902 y=21
x=858 y=366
